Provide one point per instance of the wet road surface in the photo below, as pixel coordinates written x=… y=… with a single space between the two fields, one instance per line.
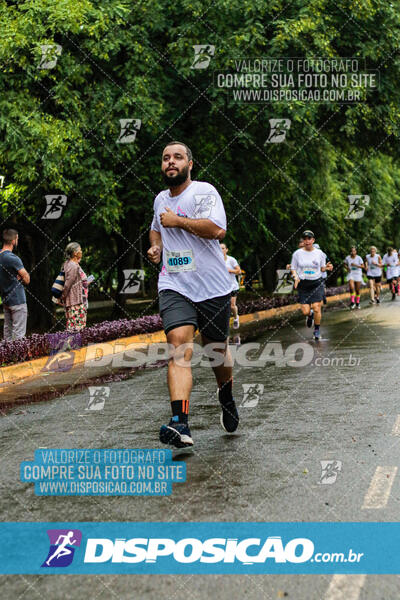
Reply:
x=342 y=406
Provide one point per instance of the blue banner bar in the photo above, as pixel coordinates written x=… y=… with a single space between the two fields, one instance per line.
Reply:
x=221 y=548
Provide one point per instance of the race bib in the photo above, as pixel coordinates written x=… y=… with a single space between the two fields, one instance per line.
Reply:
x=309 y=272
x=180 y=260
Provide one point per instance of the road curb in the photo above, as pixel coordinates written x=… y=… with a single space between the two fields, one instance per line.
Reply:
x=44 y=366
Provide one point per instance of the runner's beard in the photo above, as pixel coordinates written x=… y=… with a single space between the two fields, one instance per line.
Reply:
x=178 y=179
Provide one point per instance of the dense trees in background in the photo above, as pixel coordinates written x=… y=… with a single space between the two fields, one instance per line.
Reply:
x=132 y=60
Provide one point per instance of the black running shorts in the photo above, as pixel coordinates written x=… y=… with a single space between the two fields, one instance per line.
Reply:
x=311 y=291
x=210 y=317
x=377 y=279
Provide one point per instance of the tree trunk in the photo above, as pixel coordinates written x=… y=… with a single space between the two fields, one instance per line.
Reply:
x=34 y=251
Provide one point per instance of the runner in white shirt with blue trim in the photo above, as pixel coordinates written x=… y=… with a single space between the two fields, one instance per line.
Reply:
x=307 y=265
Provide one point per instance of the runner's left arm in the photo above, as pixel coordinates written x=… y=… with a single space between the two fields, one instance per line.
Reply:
x=203 y=228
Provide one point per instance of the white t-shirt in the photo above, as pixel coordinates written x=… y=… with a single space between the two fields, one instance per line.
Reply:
x=373 y=270
x=232 y=263
x=391 y=262
x=357 y=260
x=204 y=274
x=307 y=264
x=355 y=273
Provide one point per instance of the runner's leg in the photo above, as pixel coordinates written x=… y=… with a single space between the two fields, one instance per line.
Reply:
x=371 y=284
x=179 y=375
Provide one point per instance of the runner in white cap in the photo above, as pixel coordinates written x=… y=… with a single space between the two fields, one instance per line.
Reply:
x=234 y=270
x=308 y=264
x=373 y=264
x=354 y=265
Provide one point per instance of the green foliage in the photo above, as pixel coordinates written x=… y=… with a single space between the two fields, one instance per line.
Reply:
x=58 y=127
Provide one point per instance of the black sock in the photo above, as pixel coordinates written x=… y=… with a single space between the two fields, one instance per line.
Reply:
x=316 y=327
x=225 y=392
x=180 y=409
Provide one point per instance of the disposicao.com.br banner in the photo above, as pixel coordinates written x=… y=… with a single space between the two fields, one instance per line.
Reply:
x=219 y=548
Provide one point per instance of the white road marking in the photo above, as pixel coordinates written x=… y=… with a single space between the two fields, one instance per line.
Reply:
x=345 y=587
x=396 y=426
x=378 y=492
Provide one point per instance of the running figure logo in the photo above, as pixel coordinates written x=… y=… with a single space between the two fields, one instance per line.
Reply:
x=54 y=206
x=357 y=206
x=285 y=282
x=129 y=129
x=329 y=471
x=61 y=356
x=252 y=393
x=204 y=205
x=202 y=56
x=133 y=279
x=279 y=129
x=50 y=54
x=98 y=395
x=63 y=543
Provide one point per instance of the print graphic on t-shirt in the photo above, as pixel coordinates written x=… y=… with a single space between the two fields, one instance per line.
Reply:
x=180 y=212
x=204 y=205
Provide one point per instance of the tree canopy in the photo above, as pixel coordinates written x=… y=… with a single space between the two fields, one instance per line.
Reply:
x=60 y=128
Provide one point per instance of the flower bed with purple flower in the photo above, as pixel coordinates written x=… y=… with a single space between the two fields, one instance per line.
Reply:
x=38 y=345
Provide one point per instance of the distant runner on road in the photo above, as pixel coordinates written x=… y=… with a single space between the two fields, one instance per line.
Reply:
x=373 y=265
x=233 y=269
x=391 y=261
x=354 y=265
x=194 y=286
x=308 y=264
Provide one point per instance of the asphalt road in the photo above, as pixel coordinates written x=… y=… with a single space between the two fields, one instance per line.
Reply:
x=342 y=406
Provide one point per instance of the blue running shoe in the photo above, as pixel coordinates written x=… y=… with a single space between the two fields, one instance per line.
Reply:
x=310 y=319
x=229 y=416
x=317 y=334
x=177 y=434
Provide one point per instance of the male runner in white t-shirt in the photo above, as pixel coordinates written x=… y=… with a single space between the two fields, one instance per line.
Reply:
x=194 y=286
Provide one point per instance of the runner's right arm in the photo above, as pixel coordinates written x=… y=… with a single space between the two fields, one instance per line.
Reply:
x=154 y=252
